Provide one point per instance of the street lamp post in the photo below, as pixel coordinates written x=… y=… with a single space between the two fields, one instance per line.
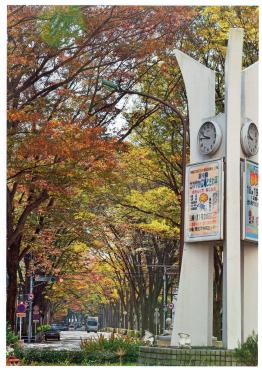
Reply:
x=156 y=319
x=125 y=316
x=112 y=86
x=164 y=299
x=30 y=309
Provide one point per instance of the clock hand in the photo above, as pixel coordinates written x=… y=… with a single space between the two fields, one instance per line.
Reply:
x=250 y=137
x=204 y=137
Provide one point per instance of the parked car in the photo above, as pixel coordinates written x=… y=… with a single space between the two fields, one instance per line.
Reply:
x=59 y=326
x=64 y=327
x=53 y=334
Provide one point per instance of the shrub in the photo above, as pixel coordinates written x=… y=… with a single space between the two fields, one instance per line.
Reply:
x=111 y=346
x=11 y=337
x=93 y=351
x=100 y=357
x=247 y=352
x=36 y=355
x=43 y=328
x=120 y=353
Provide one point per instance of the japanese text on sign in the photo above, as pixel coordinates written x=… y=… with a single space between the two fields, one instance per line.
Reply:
x=250 y=197
x=204 y=201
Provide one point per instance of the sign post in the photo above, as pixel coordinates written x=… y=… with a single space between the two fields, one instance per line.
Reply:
x=30 y=298
x=20 y=327
x=36 y=316
x=20 y=312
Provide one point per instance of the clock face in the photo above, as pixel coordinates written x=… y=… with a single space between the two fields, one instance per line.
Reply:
x=209 y=137
x=249 y=138
x=252 y=137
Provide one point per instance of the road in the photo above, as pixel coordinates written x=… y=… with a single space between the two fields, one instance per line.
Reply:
x=70 y=340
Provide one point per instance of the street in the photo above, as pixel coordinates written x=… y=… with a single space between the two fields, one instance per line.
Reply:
x=70 y=340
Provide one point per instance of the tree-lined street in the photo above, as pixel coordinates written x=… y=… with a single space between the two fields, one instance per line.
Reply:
x=97 y=145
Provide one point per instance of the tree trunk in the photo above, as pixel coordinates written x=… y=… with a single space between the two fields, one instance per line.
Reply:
x=14 y=238
x=131 y=311
x=12 y=268
x=137 y=312
x=152 y=304
x=218 y=287
x=145 y=313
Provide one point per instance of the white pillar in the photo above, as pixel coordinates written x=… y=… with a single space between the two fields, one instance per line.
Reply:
x=194 y=309
x=249 y=265
x=249 y=289
x=232 y=244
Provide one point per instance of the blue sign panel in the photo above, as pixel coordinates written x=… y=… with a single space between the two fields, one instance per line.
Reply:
x=21 y=308
x=250 y=197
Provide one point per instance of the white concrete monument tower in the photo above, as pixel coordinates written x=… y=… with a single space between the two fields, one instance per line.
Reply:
x=213 y=194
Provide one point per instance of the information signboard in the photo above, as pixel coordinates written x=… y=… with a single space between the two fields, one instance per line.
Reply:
x=250 y=201
x=204 y=201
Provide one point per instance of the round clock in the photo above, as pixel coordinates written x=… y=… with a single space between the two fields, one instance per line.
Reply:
x=209 y=137
x=249 y=138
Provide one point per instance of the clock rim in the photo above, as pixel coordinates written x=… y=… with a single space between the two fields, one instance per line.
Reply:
x=218 y=137
x=244 y=138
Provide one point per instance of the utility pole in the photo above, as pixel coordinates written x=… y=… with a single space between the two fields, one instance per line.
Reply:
x=30 y=309
x=171 y=296
x=164 y=299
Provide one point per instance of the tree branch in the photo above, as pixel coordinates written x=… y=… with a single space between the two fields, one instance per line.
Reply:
x=22 y=220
